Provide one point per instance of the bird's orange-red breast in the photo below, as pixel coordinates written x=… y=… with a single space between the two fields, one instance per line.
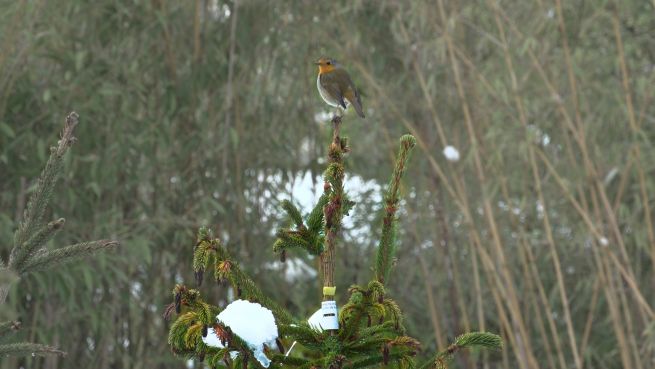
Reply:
x=336 y=87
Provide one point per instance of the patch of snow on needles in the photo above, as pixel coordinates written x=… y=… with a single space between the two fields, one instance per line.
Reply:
x=252 y=322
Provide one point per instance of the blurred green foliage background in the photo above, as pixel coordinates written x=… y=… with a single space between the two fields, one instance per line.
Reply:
x=206 y=112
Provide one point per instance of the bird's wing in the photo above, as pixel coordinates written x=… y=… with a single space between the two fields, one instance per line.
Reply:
x=329 y=82
x=351 y=94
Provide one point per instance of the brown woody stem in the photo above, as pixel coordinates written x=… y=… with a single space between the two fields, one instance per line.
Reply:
x=332 y=209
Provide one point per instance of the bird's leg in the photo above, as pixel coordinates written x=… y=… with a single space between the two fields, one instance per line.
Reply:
x=337 y=115
x=339 y=112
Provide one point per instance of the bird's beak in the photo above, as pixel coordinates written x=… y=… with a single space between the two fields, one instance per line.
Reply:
x=317 y=63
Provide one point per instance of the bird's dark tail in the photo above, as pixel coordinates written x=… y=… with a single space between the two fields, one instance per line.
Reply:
x=353 y=98
x=358 y=108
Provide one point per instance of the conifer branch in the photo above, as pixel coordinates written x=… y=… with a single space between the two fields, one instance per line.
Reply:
x=225 y=268
x=9 y=327
x=251 y=291
x=39 y=200
x=26 y=348
x=307 y=237
x=376 y=360
x=28 y=254
x=30 y=237
x=288 y=239
x=289 y=360
x=302 y=333
x=315 y=218
x=52 y=258
x=387 y=245
x=293 y=213
x=7 y=278
x=372 y=303
x=467 y=340
x=20 y=253
x=178 y=330
x=185 y=335
x=386 y=326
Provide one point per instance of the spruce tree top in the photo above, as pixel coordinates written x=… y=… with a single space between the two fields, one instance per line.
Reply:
x=371 y=331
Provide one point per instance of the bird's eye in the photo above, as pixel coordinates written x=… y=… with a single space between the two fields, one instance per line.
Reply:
x=328 y=62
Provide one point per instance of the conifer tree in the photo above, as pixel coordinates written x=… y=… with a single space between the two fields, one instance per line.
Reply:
x=29 y=253
x=371 y=331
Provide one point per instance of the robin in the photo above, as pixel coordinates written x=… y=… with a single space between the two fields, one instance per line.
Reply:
x=336 y=87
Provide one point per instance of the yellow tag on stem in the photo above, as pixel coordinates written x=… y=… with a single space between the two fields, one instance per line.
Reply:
x=329 y=291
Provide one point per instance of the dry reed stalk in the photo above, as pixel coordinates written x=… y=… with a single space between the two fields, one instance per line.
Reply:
x=590 y=316
x=434 y=314
x=604 y=275
x=634 y=126
x=488 y=210
x=537 y=181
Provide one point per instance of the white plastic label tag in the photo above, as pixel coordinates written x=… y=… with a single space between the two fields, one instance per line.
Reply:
x=326 y=318
x=330 y=319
